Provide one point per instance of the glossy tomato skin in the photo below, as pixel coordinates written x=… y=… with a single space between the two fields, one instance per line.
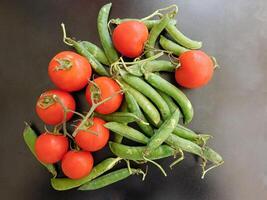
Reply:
x=51 y=148
x=54 y=113
x=74 y=76
x=108 y=87
x=129 y=38
x=77 y=164
x=90 y=141
x=196 y=69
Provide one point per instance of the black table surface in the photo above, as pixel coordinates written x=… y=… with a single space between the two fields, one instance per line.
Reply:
x=233 y=107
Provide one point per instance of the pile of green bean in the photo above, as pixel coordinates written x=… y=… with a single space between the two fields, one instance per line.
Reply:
x=152 y=103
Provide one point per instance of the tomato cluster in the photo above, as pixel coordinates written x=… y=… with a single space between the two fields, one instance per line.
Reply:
x=71 y=72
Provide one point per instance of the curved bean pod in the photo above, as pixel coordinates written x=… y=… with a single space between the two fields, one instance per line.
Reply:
x=154 y=34
x=166 y=87
x=188 y=134
x=149 y=23
x=141 y=86
x=169 y=101
x=127 y=131
x=30 y=138
x=163 y=132
x=102 y=26
x=109 y=179
x=151 y=66
x=135 y=109
x=96 y=65
x=150 y=110
x=171 y=46
x=122 y=117
x=181 y=39
x=66 y=183
x=96 y=52
x=137 y=153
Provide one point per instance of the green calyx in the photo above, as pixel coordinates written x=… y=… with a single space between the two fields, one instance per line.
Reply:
x=46 y=102
x=64 y=64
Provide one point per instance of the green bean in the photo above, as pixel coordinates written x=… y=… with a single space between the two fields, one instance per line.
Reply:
x=169 y=101
x=174 y=92
x=212 y=155
x=96 y=52
x=154 y=33
x=137 y=153
x=124 y=108
x=181 y=39
x=99 y=169
x=149 y=23
x=163 y=132
x=127 y=132
x=188 y=134
x=30 y=138
x=135 y=109
x=171 y=46
x=109 y=179
x=144 y=103
x=141 y=86
x=184 y=145
x=123 y=117
x=96 y=65
x=151 y=66
x=102 y=26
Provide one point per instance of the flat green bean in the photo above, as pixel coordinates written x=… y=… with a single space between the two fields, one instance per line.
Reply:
x=30 y=138
x=66 y=183
x=181 y=39
x=171 y=46
x=102 y=26
x=137 y=153
x=127 y=132
x=174 y=92
x=109 y=179
x=96 y=52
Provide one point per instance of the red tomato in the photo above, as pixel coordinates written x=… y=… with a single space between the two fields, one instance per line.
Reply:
x=51 y=148
x=90 y=141
x=108 y=87
x=196 y=69
x=77 y=164
x=52 y=112
x=129 y=38
x=69 y=71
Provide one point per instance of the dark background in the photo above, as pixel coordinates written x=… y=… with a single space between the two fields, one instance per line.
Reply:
x=233 y=107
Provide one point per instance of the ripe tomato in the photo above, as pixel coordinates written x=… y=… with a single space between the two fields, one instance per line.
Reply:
x=69 y=71
x=77 y=164
x=50 y=111
x=93 y=142
x=129 y=38
x=107 y=87
x=51 y=148
x=196 y=69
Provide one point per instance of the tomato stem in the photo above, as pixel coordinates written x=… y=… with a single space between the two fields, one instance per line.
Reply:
x=90 y=112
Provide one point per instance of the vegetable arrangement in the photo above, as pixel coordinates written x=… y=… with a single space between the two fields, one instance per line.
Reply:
x=119 y=93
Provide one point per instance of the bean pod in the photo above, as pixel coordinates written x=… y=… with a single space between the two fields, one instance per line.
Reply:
x=166 y=87
x=102 y=26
